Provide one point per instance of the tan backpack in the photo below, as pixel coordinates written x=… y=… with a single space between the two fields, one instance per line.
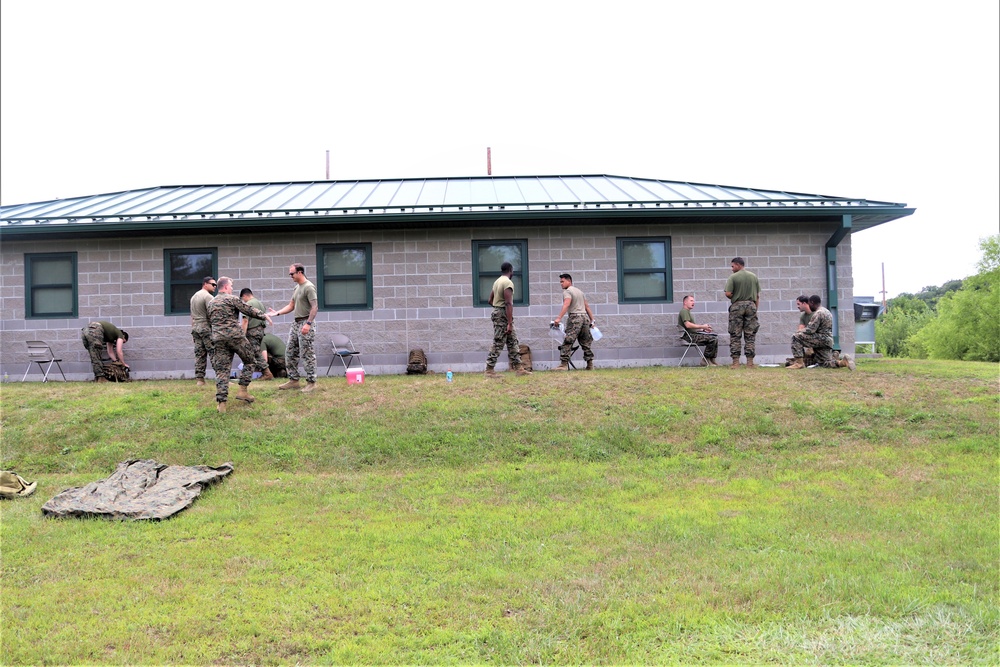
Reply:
x=13 y=485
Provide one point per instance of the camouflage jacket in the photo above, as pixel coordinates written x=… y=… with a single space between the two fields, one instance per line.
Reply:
x=224 y=316
x=821 y=324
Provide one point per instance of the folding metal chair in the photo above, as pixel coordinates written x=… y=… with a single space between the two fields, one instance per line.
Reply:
x=688 y=344
x=346 y=351
x=558 y=334
x=572 y=366
x=40 y=353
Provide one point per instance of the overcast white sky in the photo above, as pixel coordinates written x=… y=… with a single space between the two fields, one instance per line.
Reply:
x=887 y=101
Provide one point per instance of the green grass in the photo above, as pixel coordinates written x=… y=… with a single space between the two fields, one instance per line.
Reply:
x=624 y=516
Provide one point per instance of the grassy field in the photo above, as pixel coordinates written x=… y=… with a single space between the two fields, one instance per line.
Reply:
x=621 y=516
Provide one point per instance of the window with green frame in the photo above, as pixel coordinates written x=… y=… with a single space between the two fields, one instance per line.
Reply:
x=50 y=285
x=345 y=276
x=487 y=257
x=644 y=270
x=183 y=272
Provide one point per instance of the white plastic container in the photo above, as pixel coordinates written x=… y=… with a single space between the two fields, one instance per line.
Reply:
x=595 y=333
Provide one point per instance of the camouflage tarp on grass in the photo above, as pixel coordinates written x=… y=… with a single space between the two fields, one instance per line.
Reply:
x=138 y=489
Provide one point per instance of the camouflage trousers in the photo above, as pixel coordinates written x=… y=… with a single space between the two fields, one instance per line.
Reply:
x=743 y=326
x=92 y=336
x=301 y=345
x=202 y=350
x=255 y=336
x=223 y=350
x=277 y=366
x=577 y=330
x=710 y=343
x=502 y=339
x=822 y=348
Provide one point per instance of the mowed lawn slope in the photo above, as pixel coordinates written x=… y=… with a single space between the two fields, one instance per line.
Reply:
x=653 y=515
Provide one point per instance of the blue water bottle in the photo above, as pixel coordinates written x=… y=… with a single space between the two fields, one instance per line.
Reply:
x=449 y=375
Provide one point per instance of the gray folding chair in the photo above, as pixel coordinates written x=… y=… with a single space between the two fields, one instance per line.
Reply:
x=40 y=353
x=688 y=344
x=346 y=351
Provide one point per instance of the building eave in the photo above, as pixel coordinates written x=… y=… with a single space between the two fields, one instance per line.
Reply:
x=265 y=221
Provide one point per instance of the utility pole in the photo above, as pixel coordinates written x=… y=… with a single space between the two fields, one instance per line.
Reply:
x=884 y=306
x=328 y=164
x=489 y=163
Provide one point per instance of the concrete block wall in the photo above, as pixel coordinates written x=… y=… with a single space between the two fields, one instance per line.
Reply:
x=422 y=287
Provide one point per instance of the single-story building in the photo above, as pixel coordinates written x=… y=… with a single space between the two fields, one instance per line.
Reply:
x=408 y=263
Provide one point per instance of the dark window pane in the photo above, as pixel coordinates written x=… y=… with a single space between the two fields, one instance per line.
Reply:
x=190 y=267
x=492 y=257
x=184 y=270
x=488 y=257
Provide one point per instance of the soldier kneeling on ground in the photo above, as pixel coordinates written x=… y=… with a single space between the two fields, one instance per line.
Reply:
x=819 y=335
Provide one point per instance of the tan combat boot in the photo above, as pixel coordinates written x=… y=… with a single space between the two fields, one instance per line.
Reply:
x=750 y=363
x=200 y=382
x=310 y=386
x=590 y=365
x=797 y=362
x=561 y=367
x=100 y=379
x=711 y=361
x=736 y=362
x=221 y=407
x=846 y=362
x=244 y=395
x=490 y=373
x=267 y=375
x=291 y=384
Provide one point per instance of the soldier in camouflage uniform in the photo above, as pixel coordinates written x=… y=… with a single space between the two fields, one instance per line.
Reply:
x=743 y=290
x=802 y=303
x=699 y=334
x=273 y=349
x=201 y=330
x=502 y=299
x=578 y=324
x=254 y=330
x=97 y=336
x=228 y=339
x=302 y=336
x=818 y=335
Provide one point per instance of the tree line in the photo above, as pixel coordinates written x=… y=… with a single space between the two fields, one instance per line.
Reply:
x=958 y=320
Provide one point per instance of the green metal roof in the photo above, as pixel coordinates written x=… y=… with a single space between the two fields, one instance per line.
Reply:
x=476 y=200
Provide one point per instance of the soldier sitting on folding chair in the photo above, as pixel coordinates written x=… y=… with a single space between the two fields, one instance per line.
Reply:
x=686 y=321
